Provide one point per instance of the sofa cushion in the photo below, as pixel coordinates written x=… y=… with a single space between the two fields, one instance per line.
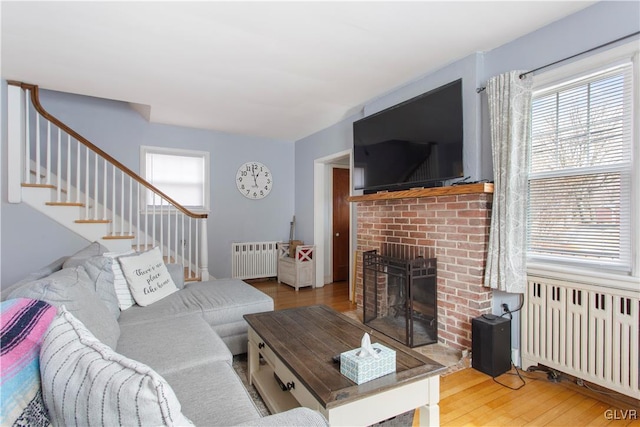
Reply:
x=23 y=323
x=100 y=271
x=79 y=257
x=177 y=274
x=147 y=276
x=125 y=299
x=84 y=382
x=219 y=302
x=169 y=345
x=213 y=395
x=73 y=288
x=56 y=265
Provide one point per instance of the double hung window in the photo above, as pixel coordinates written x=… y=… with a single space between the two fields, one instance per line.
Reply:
x=182 y=175
x=582 y=183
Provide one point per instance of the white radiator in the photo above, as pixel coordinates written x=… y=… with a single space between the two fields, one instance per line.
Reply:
x=252 y=260
x=587 y=331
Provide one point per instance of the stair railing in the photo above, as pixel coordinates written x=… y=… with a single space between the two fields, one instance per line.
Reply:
x=44 y=152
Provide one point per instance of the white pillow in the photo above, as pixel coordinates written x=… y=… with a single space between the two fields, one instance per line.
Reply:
x=125 y=299
x=147 y=276
x=85 y=382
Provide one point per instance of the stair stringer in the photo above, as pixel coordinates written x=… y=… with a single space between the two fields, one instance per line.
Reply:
x=37 y=198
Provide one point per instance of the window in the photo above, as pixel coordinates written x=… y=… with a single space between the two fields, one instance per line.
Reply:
x=581 y=171
x=182 y=175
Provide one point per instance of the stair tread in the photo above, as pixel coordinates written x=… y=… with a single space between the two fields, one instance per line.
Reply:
x=64 y=204
x=93 y=221
x=38 y=185
x=118 y=236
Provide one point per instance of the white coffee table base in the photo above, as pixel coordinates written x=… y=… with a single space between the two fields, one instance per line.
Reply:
x=423 y=394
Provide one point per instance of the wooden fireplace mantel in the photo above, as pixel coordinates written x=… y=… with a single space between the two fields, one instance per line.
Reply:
x=426 y=192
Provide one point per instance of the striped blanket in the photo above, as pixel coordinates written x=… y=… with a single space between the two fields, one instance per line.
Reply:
x=23 y=323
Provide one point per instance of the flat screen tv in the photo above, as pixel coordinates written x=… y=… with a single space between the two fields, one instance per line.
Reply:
x=417 y=143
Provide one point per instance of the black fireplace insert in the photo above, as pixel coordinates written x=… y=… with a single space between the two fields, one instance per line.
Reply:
x=400 y=296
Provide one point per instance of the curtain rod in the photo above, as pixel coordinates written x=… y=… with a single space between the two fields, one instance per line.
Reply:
x=480 y=89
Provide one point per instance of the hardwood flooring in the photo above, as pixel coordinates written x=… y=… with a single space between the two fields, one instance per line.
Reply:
x=471 y=398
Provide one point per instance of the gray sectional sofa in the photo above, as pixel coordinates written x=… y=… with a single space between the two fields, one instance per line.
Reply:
x=187 y=338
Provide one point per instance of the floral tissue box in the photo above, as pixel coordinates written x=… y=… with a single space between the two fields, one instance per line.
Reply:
x=362 y=369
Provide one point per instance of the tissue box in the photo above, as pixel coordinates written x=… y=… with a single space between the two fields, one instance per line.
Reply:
x=363 y=369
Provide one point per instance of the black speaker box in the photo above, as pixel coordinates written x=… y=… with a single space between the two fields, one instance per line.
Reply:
x=491 y=344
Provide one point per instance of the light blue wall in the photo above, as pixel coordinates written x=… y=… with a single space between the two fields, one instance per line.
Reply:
x=29 y=240
x=120 y=131
x=595 y=25
x=598 y=24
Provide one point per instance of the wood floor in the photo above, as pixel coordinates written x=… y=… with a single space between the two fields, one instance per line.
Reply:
x=471 y=398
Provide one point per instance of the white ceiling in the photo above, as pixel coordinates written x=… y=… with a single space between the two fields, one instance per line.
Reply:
x=280 y=70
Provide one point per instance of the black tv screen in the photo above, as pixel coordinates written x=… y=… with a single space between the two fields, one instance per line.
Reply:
x=417 y=143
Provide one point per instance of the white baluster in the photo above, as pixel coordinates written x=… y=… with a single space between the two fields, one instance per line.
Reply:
x=168 y=230
x=138 y=228
x=58 y=168
x=153 y=222
x=48 y=155
x=27 y=139
x=68 y=180
x=190 y=246
x=121 y=203
x=130 y=217
x=113 y=201
x=175 y=245
x=38 y=181
x=146 y=218
x=86 y=183
x=162 y=225
x=182 y=242
x=197 y=246
x=96 y=198
x=104 y=190
x=77 y=171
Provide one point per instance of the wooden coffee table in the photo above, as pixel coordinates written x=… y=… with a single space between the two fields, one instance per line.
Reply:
x=290 y=363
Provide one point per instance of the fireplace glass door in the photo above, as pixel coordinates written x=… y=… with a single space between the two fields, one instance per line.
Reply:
x=400 y=298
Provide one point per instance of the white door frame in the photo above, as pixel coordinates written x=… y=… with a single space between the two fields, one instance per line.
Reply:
x=321 y=221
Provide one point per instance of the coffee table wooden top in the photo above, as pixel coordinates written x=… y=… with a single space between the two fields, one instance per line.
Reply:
x=305 y=339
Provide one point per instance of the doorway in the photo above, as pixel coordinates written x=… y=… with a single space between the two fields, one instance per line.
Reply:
x=322 y=218
x=340 y=221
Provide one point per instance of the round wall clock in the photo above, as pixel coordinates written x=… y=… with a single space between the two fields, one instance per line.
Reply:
x=254 y=180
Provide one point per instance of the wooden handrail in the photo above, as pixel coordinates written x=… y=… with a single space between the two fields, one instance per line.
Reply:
x=36 y=103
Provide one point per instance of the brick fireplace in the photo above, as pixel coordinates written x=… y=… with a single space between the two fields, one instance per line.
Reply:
x=452 y=223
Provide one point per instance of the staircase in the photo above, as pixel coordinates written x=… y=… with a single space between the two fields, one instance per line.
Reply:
x=66 y=177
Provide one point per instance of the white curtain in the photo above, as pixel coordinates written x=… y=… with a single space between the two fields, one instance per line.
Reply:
x=510 y=115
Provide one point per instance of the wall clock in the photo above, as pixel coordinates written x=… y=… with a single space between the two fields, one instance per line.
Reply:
x=254 y=180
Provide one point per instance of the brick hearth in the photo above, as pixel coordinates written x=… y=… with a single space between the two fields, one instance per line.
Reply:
x=454 y=226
